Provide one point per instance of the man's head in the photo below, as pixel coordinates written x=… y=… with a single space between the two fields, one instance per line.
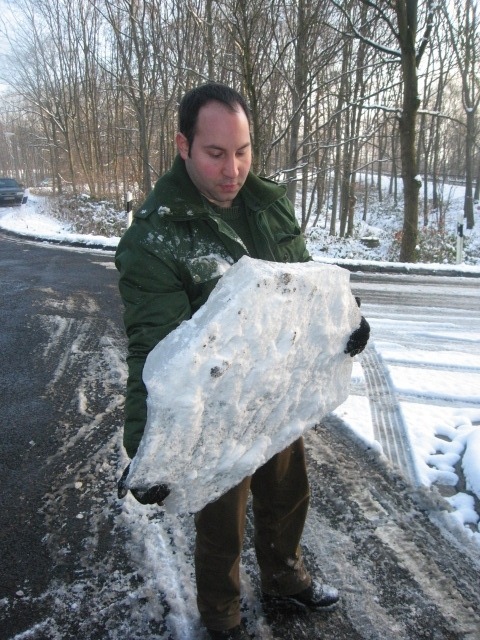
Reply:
x=214 y=141
x=197 y=98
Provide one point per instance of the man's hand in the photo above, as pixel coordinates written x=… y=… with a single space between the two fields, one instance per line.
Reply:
x=153 y=495
x=359 y=338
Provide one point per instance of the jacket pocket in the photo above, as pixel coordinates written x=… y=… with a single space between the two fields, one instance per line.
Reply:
x=289 y=246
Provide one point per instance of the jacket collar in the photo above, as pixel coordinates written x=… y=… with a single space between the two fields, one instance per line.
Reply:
x=175 y=195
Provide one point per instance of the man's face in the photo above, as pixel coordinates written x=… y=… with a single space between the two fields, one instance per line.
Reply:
x=220 y=154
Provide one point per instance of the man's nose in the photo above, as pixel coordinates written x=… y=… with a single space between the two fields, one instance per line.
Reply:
x=230 y=168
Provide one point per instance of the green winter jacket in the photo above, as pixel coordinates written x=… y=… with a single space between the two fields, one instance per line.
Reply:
x=172 y=256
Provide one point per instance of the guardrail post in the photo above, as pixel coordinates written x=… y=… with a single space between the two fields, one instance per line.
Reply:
x=128 y=207
x=460 y=237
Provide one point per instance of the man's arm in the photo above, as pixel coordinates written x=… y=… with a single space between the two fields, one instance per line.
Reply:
x=155 y=303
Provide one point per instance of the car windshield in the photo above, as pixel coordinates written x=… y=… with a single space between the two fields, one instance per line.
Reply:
x=8 y=182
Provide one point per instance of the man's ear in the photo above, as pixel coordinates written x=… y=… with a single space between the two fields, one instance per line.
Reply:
x=182 y=145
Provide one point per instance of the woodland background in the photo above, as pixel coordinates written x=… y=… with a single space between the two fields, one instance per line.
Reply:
x=341 y=92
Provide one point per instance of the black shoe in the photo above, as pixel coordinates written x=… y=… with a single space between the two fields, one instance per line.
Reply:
x=316 y=596
x=235 y=633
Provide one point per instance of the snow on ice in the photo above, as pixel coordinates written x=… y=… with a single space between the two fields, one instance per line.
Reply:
x=262 y=361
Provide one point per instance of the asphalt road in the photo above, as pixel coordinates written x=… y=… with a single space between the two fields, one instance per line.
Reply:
x=421 y=291
x=59 y=313
x=65 y=571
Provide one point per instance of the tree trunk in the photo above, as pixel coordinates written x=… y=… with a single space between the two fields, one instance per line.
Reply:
x=476 y=195
x=300 y=77
x=407 y=23
x=470 y=145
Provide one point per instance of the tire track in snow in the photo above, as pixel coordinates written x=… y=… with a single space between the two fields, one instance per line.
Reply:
x=385 y=545
x=388 y=426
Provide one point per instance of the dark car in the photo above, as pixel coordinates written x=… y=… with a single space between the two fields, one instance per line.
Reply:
x=11 y=191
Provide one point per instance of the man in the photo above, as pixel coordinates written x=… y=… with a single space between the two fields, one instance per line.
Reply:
x=202 y=216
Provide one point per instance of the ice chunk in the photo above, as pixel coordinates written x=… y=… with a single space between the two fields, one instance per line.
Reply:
x=262 y=361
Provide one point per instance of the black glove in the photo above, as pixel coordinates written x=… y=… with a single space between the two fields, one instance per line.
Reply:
x=359 y=338
x=153 y=495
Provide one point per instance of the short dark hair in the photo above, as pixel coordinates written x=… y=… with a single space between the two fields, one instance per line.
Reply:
x=198 y=97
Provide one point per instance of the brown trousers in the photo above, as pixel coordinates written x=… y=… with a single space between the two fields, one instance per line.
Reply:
x=280 y=502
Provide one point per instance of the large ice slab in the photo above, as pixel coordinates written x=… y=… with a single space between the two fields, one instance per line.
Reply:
x=257 y=365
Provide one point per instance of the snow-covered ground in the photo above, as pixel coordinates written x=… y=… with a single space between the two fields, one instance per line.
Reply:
x=382 y=225
x=32 y=219
x=444 y=438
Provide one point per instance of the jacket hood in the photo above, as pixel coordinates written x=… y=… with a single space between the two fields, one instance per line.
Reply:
x=175 y=195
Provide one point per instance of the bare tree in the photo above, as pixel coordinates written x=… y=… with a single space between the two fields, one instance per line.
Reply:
x=133 y=26
x=333 y=89
x=464 y=28
x=401 y=19
x=255 y=28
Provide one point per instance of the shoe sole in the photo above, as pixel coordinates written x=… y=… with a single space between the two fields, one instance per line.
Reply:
x=291 y=603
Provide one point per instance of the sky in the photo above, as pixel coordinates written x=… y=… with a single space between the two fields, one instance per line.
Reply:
x=432 y=365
